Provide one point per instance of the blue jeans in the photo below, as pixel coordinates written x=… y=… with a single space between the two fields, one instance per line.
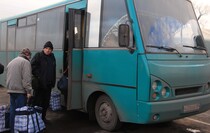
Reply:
x=17 y=100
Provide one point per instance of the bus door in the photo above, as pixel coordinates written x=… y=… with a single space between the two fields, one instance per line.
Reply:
x=75 y=58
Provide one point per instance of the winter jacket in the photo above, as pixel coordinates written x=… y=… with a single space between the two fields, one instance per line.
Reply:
x=19 y=76
x=1 y=68
x=44 y=69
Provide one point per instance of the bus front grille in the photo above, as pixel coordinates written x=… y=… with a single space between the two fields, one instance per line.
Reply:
x=184 y=91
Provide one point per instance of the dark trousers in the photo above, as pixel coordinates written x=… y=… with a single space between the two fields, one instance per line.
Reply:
x=17 y=100
x=42 y=99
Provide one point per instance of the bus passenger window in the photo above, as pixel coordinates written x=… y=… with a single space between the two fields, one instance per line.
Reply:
x=21 y=22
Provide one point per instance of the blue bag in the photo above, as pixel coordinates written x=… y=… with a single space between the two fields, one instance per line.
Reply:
x=62 y=84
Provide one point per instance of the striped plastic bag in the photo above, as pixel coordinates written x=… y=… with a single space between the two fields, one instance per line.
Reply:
x=4 y=118
x=55 y=101
x=28 y=119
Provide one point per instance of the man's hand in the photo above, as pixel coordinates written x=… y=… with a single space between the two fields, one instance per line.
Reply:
x=29 y=96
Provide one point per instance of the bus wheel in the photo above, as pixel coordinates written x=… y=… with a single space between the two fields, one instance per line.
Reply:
x=106 y=114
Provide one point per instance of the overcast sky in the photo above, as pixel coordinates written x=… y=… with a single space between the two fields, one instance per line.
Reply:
x=10 y=8
x=204 y=7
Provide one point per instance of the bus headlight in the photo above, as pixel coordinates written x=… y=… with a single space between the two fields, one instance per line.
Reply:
x=155 y=96
x=156 y=85
x=165 y=92
x=159 y=90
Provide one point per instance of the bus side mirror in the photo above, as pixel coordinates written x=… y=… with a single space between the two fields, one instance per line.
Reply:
x=124 y=35
x=199 y=40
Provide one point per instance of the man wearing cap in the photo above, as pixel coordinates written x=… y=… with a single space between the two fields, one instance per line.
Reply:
x=44 y=72
x=19 y=82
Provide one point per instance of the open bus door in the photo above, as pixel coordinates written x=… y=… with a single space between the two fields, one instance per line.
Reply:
x=75 y=58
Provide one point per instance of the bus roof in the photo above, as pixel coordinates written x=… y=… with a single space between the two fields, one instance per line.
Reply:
x=40 y=10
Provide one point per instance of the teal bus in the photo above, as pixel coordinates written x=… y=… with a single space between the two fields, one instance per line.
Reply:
x=135 y=61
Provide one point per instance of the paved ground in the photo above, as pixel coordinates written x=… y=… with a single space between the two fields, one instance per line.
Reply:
x=78 y=122
x=61 y=121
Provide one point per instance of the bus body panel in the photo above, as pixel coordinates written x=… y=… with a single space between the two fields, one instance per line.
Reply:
x=143 y=82
x=113 y=72
x=110 y=66
x=124 y=99
x=76 y=83
x=136 y=29
x=59 y=62
x=171 y=110
x=181 y=73
x=78 y=5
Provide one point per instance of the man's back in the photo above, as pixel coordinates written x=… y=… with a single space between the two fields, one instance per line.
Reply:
x=18 y=74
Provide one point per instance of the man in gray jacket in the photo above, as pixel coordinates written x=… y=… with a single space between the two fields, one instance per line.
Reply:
x=19 y=82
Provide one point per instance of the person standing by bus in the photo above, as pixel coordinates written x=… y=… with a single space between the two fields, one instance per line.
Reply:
x=44 y=76
x=19 y=82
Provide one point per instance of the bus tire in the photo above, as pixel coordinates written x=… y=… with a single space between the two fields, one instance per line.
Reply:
x=106 y=114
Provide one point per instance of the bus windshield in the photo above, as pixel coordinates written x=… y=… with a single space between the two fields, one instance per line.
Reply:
x=168 y=23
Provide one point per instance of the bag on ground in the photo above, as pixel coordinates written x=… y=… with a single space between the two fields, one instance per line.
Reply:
x=4 y=118
x=29 y=120
x=55 y=100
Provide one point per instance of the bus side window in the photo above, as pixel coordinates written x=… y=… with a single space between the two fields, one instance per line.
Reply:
x=110 y=22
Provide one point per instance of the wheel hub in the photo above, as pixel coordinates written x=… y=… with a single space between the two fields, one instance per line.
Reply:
x=105 y=112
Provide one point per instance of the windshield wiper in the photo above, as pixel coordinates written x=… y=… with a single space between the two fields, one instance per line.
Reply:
x=197 y=47
x=166 y=48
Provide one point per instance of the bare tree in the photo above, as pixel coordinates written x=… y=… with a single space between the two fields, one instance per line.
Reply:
x=202 y=11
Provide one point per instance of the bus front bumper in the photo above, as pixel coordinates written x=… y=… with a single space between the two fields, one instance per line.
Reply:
x=154 y=112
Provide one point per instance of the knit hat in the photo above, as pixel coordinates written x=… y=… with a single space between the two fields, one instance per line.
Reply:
x=48 y=44
x=26 y=52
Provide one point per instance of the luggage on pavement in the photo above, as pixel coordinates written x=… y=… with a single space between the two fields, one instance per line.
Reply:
x=28 y=119
x=55 y=101
x=4 y=118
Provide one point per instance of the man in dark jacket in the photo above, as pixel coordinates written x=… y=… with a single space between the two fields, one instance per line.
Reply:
x=44 y=76
x=1 y=68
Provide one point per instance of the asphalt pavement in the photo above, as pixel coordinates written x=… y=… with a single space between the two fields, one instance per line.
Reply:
x=64 y=121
